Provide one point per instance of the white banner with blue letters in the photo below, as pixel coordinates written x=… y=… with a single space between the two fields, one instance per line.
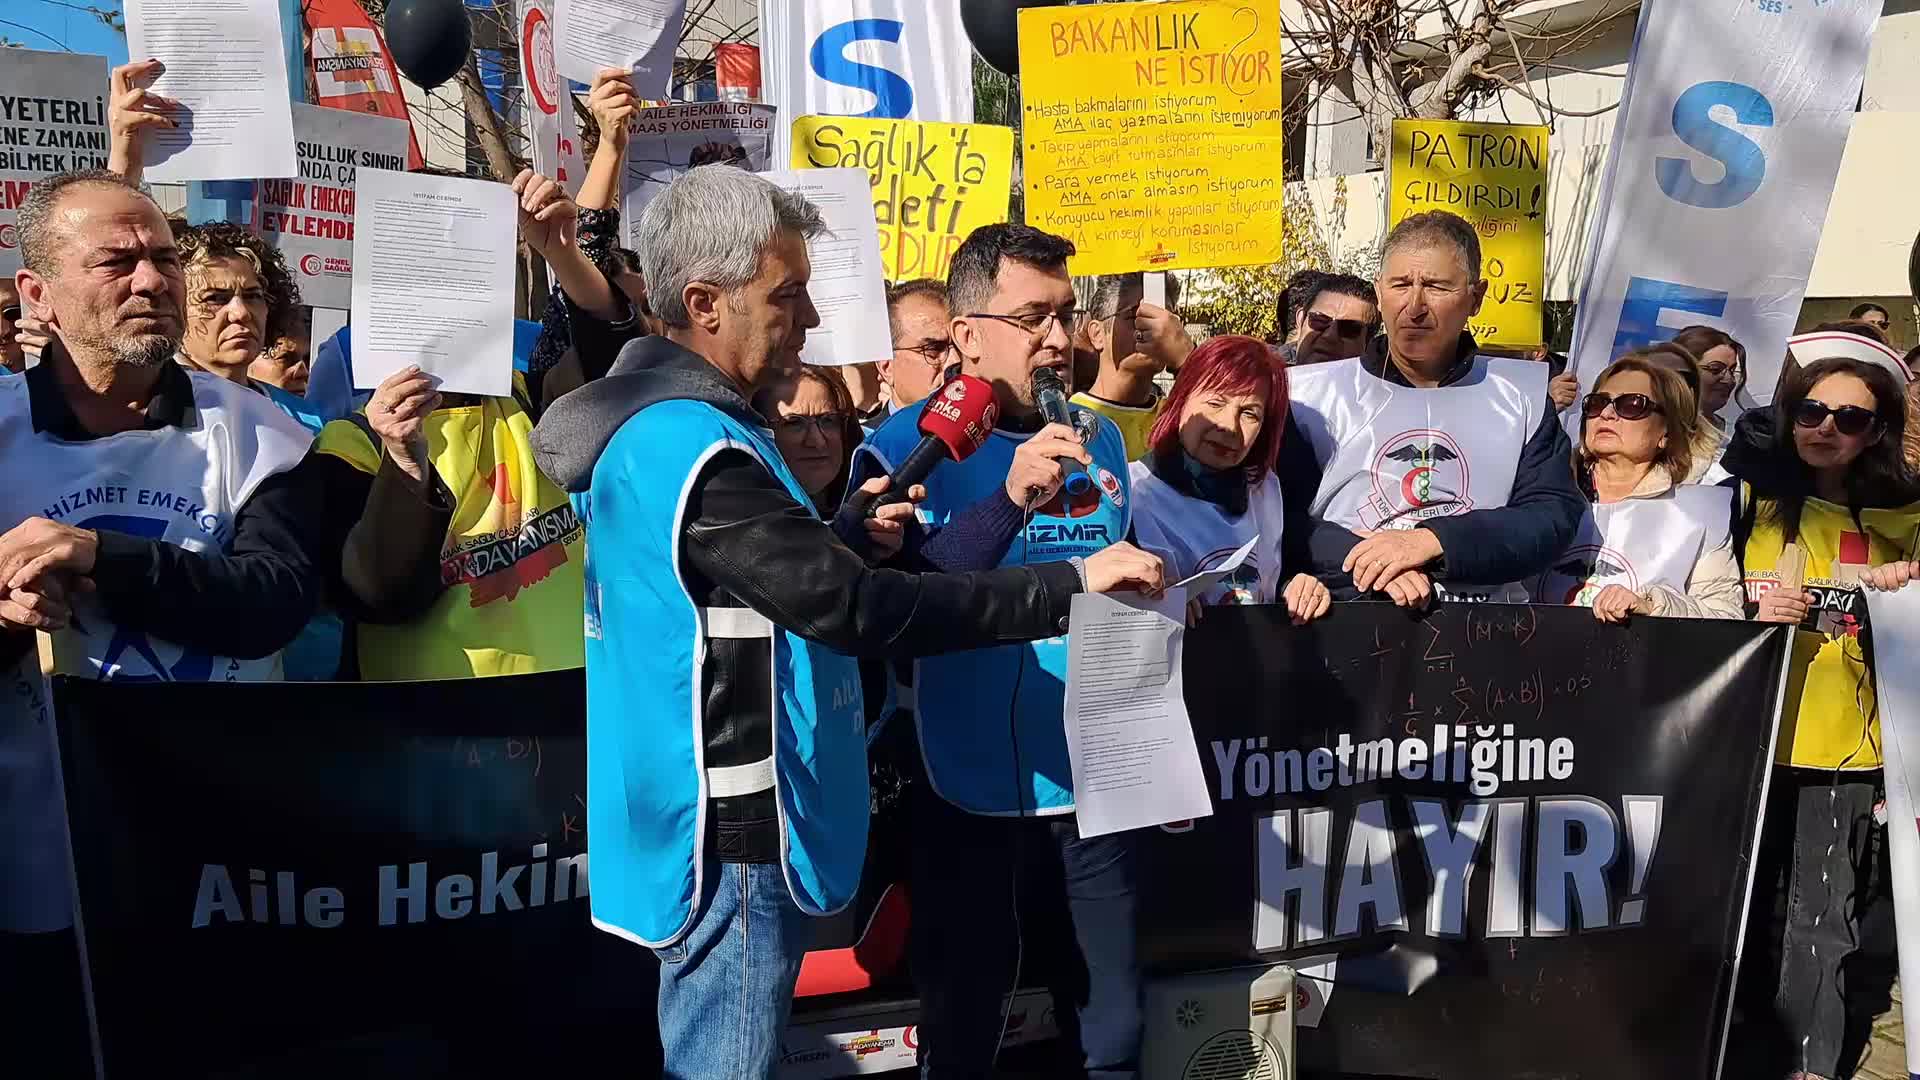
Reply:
x=1728 y=141
x=886 y=59
x=1896 y=631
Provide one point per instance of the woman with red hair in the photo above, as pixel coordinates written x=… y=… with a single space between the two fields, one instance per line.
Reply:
x=1207 y=486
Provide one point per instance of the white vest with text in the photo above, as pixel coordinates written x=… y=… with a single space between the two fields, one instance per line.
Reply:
x=1193 y=536
x=1637 y=544
x=180 y=485
x=1395 y=457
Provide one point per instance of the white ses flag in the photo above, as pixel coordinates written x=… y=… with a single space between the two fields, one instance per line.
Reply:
x=886 y=59
x=1896 y=630
x=551 y=133
x=1722 y=166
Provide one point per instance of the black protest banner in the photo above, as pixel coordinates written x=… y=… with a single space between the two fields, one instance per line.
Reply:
x=1517 y=840
x=269 y=874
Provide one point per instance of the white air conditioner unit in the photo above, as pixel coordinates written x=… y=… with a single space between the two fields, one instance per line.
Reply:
x=1235 y=1024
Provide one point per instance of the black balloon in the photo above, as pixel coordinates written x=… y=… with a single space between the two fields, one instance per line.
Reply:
x=994 y=28
x=430 y=39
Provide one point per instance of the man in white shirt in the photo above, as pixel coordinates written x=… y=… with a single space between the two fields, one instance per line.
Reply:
x=155 y=522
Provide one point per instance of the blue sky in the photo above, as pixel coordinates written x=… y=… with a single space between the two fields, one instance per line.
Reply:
x=54 y=24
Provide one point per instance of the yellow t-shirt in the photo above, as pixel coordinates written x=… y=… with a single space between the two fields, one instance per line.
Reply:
x=1829 y=720
x=1135 y=422
x=513 y=559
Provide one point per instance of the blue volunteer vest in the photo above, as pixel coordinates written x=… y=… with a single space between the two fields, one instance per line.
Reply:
x=647 y=781
x=963 y=699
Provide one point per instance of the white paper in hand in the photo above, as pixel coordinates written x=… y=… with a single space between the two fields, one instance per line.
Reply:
x=639 y=35
x=849 y=287
x=1198 y=584
x=1134 y=760
x=1154 y=289
x=433 y=266
x=226 y=65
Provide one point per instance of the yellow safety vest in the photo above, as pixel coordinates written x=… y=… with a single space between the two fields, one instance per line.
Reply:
x=512 y=561
x=1829 y=720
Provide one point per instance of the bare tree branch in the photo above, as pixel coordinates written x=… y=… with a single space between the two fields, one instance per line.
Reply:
x=1528 y=94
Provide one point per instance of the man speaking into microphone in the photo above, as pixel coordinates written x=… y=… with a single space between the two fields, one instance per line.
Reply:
x=990 y=720
x=726 y=758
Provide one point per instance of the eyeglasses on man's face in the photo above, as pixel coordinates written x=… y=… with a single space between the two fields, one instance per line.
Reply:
x=1037 y=324
x=932 y=351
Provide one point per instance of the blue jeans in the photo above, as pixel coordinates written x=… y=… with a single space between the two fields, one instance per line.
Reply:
x=726 y=989
x=965 y=939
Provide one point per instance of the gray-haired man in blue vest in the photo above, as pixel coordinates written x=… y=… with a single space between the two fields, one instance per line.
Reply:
x=727 y=782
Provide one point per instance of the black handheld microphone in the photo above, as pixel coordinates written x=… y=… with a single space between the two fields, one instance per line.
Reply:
x=1050 y=395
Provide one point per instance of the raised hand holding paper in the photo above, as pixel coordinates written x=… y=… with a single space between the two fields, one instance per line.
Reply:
x=1153 y=290
x=636 y=34
x=433 y=264
x=847 y=288
x=226 y=66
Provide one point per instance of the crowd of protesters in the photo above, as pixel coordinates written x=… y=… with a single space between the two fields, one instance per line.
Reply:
x=196 y=493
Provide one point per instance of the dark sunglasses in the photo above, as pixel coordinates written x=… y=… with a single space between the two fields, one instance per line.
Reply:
x=1350 y=329
x=1847 y=419
x=1625 y=406
x=11 y=312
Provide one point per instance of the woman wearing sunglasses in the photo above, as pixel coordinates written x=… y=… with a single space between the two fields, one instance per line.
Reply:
x=1207 y=486
x=1647 y=545
x=1825 y=473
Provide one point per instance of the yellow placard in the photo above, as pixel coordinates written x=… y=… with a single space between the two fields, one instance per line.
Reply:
x=1495 y=176
x=1153 y=132
x=933 y=184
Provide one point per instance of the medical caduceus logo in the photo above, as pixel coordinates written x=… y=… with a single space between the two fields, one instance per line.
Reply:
x=1578 y=576
x=1419 y=475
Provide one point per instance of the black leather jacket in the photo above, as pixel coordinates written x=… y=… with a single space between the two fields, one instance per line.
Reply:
x=748 y=543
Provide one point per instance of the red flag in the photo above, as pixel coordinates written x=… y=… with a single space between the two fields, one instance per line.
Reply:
x=737 y=71
x=351 y=66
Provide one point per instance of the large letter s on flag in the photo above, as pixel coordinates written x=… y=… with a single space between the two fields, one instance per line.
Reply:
x=1693 y=122
x=893 y=95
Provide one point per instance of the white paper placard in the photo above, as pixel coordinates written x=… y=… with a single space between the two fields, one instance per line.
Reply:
x=433 y=268
x=53 y=118
x=847 y=287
